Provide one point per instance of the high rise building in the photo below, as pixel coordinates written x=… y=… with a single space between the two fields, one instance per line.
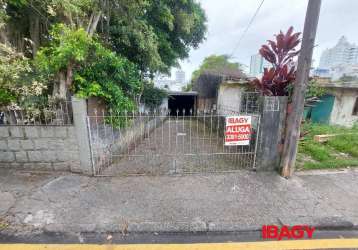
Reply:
x=343 y=53
x=180 y=76
x=257 y=65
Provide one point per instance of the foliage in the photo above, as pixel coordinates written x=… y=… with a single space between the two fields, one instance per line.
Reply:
x=339 y=151
x=132 y=39
x=109 y=76
x=280 y=53
x=67 y=45
x=18 y=81
x=152 y=96
x=216 y=64
x=98 y=72
x=347 y=78
x=314 y=89
x=151 y=34
x=314 y=93
x=155 y=34
x=188 y=87
x=179 y=26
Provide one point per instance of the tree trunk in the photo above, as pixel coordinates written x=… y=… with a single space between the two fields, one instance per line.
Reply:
x=60 y=88
x=66 y=77
x=92 y=26
x=34 y=32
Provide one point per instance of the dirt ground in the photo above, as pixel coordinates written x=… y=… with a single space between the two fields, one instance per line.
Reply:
x=181 y=145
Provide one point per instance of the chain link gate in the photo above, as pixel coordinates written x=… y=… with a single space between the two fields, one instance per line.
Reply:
x=159 y=143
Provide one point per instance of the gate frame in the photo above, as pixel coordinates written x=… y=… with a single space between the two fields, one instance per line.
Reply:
x=97 y=171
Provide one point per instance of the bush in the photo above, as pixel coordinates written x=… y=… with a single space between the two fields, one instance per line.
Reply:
x=97 y=71
x=152 y=96
x=18 y=80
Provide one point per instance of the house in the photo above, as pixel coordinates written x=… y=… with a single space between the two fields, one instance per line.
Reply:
x=339 y=106
x=230 y=95
x=220 y=91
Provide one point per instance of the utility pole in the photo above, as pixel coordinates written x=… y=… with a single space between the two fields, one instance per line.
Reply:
x=292 y=134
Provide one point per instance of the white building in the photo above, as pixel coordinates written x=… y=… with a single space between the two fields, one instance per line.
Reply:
x=180 y=76
x=341 y=54
x=320 y=72
x=164 y=81
x=257 y=65
x=344 y=70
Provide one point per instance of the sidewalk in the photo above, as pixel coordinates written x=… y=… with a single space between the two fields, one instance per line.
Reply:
x=34 y=203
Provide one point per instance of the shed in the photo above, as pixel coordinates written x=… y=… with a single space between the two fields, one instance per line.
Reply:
x=230 y=95
x=339 y=106
x=219 y=89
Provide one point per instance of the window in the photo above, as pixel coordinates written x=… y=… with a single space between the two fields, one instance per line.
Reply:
x=355 y=107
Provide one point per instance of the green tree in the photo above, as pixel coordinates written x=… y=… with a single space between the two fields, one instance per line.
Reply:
x=218 y=64
x=155 y=34
x=62 y=36
x=152 y=96
x=97 y=71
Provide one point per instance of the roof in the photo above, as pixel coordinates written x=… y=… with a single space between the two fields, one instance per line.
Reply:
x=345 y=85
x=188 y=93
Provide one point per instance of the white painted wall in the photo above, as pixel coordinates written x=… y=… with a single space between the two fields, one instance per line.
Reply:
x=229 y=98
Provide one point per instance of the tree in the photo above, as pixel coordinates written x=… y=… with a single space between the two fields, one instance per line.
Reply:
x=155 y=34
x=17 y=81
x=216 y=64
x=97 y=70
x=151 y=34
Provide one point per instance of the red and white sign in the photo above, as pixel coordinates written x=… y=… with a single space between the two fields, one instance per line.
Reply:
x=237 y=130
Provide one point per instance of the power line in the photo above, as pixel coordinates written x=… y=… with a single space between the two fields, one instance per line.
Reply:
x=247 y=28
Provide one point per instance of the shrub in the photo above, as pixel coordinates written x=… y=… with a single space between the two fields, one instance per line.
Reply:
x=277 y=79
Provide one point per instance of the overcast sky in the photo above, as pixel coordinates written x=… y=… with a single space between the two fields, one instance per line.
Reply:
x=227 y=19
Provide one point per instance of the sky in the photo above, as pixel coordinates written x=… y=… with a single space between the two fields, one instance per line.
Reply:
x=227 y=20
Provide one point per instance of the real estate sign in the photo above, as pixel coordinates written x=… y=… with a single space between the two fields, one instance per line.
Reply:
x=237 y=130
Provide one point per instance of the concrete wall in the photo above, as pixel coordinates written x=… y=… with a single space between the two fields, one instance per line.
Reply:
x=229 y=98
x=39 y=147
x=343 y=107
x=272 y=130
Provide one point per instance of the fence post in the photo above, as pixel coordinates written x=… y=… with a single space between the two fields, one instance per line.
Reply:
x=79 y=107
x=273 y=117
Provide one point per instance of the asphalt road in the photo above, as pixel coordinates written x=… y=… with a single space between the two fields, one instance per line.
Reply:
x=160 y=238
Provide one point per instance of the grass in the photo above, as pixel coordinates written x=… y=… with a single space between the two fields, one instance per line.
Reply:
x=3 y=224
x=338 y=152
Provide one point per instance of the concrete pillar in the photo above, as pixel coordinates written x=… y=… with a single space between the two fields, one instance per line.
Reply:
x=79 y=107
x=273 y=119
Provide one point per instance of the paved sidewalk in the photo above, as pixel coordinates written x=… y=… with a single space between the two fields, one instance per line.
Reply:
x=34 y=203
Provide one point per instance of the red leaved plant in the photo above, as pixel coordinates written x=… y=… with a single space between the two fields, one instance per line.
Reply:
x=280 y=53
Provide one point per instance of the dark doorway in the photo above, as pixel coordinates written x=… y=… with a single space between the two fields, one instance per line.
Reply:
x=181 y=104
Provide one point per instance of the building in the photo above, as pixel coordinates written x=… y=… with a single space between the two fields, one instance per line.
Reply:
x=339 y=106
x=344 y=70
x=180 y=76
x=257 y=65
x=319 y=72
x=163 y=81
x=341 y=54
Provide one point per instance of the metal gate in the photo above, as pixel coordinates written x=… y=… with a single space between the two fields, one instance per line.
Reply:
x=158 y=142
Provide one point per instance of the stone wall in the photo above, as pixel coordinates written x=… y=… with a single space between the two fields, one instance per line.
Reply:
x=39 y=148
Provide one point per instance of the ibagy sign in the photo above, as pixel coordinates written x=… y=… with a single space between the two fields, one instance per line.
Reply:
x=237 y=130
